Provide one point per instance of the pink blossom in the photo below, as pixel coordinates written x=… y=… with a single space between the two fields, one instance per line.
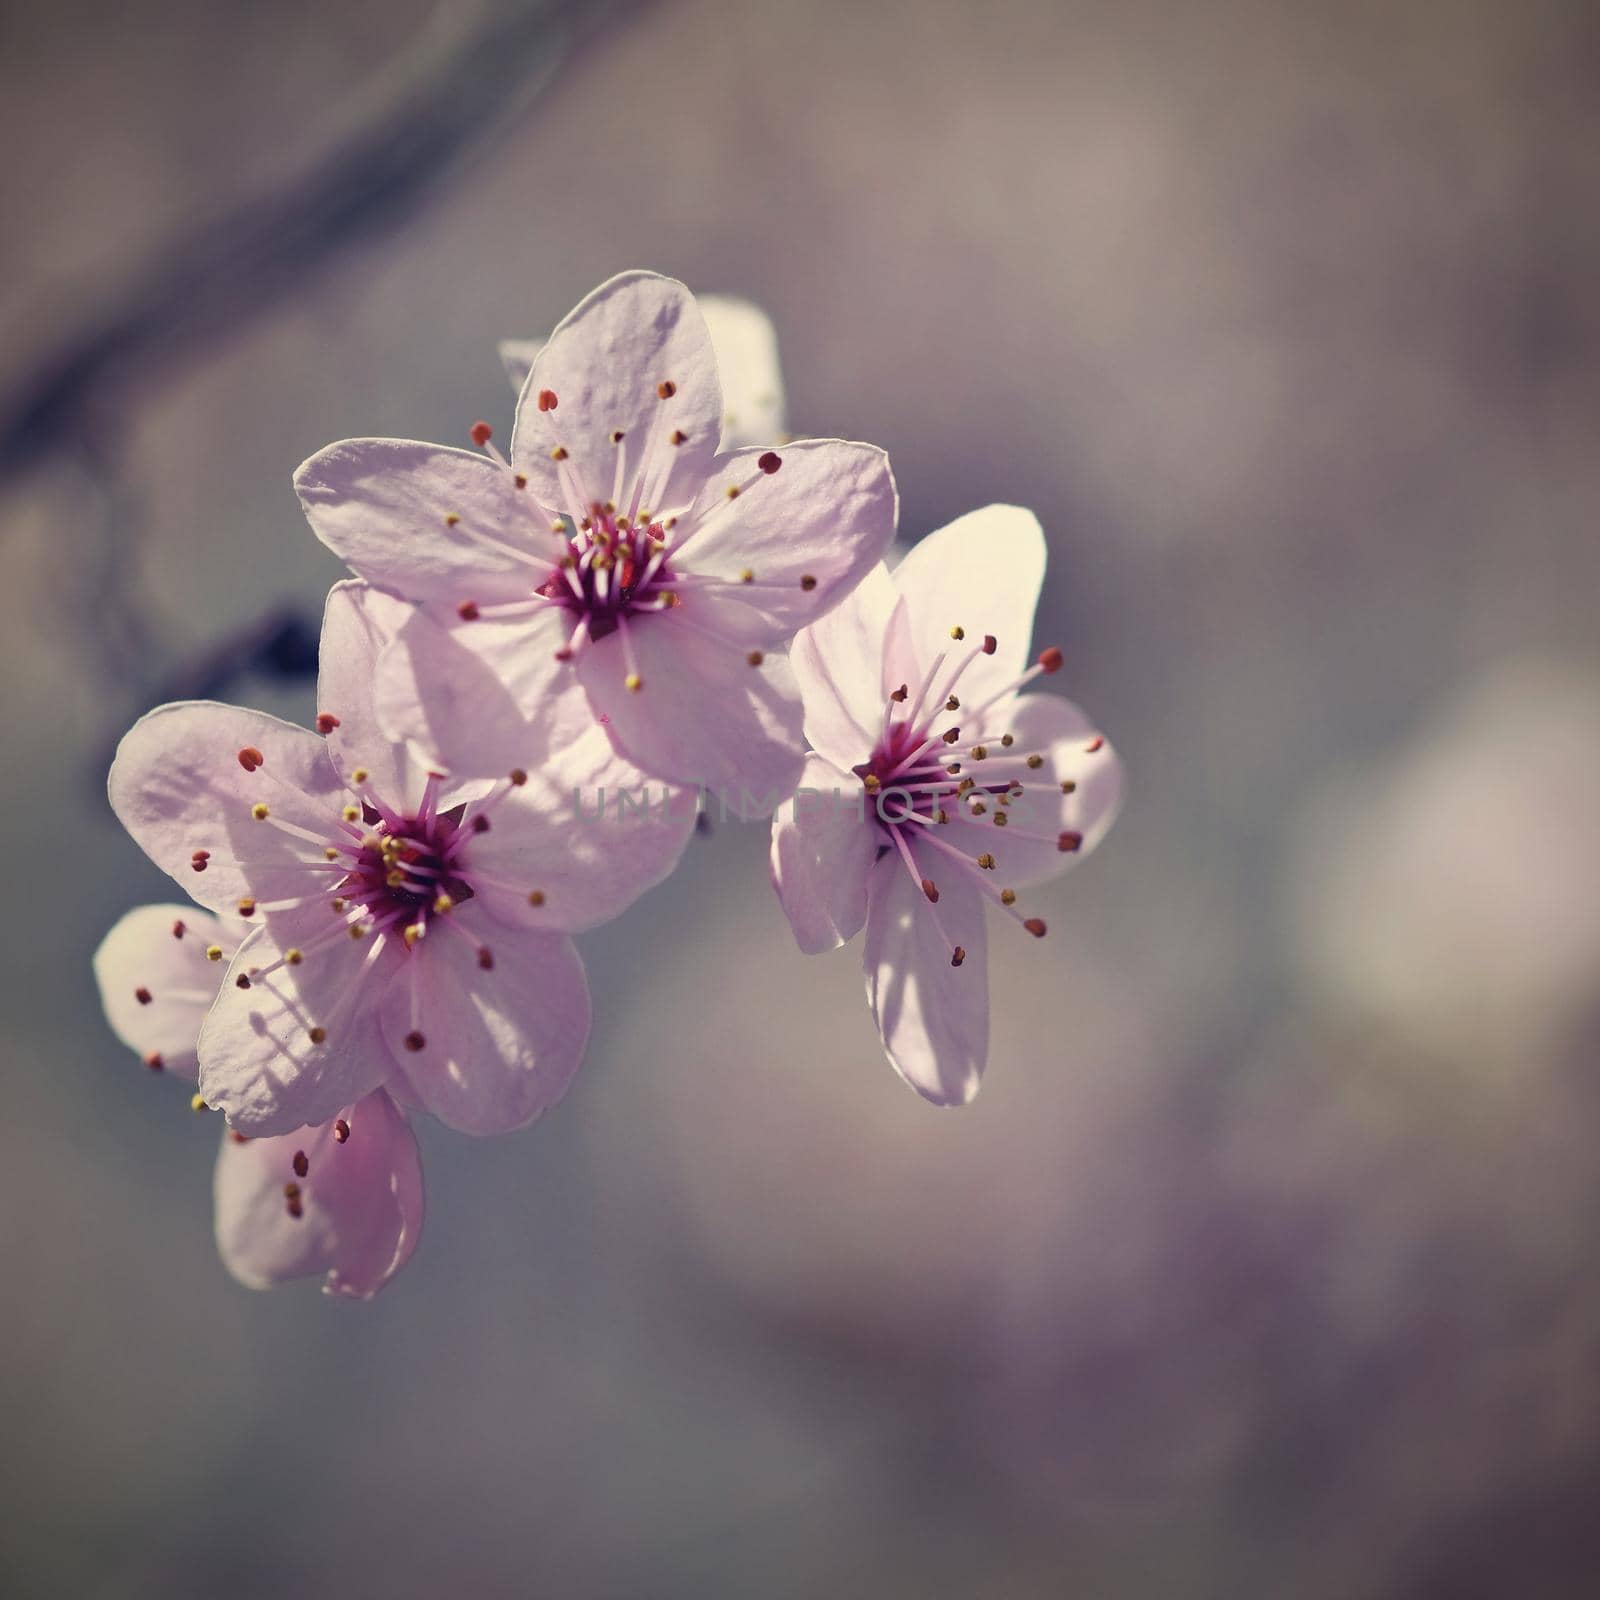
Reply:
x=933 y=786
x=343 y=1199
x=408 y=928
x=613 y=555
x=746 y=347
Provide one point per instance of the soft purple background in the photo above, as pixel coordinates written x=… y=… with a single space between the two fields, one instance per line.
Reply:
x=1265 y=1264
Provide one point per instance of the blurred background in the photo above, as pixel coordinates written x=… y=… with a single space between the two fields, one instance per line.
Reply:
x=1265 y=1264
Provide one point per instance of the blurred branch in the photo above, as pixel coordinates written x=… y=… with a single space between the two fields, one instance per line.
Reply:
x=422 y=120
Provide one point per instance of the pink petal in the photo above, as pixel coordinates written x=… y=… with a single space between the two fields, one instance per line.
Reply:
x=746 y=347
x=704 y=714
x=588 y=832
x=482 y=697
x=981 y=573
x=178 y=787
x=360 y=1202
x=1029 y=849
x=603 y=365
x=823 y=849
x=259 y=1061
x=498 y=1047
x=383 y=506
x=357 y=625
x=156 y=984
x=845 y=669
x=933 y=1017
x=808 y=531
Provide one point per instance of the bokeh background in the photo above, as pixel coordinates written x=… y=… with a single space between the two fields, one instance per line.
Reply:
x=1266 y=1262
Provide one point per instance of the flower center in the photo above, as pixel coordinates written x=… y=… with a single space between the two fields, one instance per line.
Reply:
x=403 y=870
x=613 y=567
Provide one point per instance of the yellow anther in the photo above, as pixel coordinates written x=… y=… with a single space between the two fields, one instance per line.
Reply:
x=733 y=491
x=986 y=861
x=259 y=811
x=443 y=904
x=747 y=576
x=197 y=1102
x=980 y=752
x=358 y=930
x=559 y=453
x=340 y=904
x=412 y=932
x=331 y=853
x=558 y=526
x=351 y=813
x=999 y=819
x=633 y=683
x=873 y=783
x=247 y=907
x=1007 y=740
x=1035 y=762
x=1008 y=897
x=294 y=955
x=395 y=878
x=958 y=632
x=213 y=952
x=360 y=775
x=451 y=519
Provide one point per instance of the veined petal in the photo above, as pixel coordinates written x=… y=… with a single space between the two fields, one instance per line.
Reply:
x=823 y=850
x=843 y=665
x=703 y=715
x=580 y=841
x=492 y=1049
x=481 y=697
x=426 y=521
x=982 y=573
x=178 y=787
x=301 y=1041
x=933 y=1016
x=156 y=982
x=808 y=531
x=633 y=358
x=353 y=1213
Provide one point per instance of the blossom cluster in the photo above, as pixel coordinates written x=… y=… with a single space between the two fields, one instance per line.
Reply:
x=651 y=590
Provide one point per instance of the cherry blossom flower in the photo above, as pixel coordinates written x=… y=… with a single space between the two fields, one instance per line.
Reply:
x=746 y=347
x=408 y=928
x=343 y=1199
x=613 y=552
x=933 y=786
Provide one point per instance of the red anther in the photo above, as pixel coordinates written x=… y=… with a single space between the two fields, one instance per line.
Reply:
x=898 y=695
x=482 y=433
x=341 y=1131
x=1035 y=926
x=950 y=735
x=990 y=644
x=326 y=722
x=198 y=860
x=1050 y=659
x=931 y=890
x=678 y=437
x=414 y=1041
x=237 y=1137
x=547 y=399
x=468 y=611
x=1094 y=744
x=250 y=758
x=480 y=824
x=1069 y=840
x=142 y=995
x=242 y=981
x=808 y=583
x=486 y=959
x=178 y=929
x=301 y=1165
x=770 y=462
x=666 y=389
x=154 y=1061
x=957 y=956
x=563 y=654
x=291 y=1191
